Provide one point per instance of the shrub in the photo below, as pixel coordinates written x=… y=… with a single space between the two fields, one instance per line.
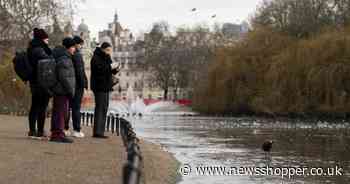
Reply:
x=269 y=72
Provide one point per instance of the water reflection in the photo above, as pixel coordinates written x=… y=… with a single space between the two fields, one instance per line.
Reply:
x=237 y=142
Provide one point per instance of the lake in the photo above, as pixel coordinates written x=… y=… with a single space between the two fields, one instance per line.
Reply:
x=231 y=143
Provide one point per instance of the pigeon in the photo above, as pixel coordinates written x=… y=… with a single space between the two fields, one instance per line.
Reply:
x=194 y=9
x=214 y=16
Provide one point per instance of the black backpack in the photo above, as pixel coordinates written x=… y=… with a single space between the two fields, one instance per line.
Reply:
x=47 y=77
x=22 y=66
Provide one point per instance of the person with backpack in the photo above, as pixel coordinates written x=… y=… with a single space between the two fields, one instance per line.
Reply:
x=102 y=71
x=63 y=90
x=38 y=49
x=81 y=84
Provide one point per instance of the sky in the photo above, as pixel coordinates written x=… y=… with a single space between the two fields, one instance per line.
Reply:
x=139 y=15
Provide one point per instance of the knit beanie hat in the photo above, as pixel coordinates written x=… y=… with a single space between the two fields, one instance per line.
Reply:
x=40 y=34
x=68 y=42
x=105 y=45
x=78 y=40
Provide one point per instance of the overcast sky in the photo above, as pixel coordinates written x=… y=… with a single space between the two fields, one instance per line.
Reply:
x=139 y=15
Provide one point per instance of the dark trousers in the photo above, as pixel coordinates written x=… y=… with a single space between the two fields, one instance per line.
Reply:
x=59 y=115
x=37 y=114
x=75 y=106
x=101 y=110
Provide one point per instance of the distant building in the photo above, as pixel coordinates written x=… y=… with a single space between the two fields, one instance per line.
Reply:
x=129 y=52
x=232 y=30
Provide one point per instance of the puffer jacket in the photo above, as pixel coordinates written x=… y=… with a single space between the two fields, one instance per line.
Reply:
x=102 y=72
x=79 y=67
x=37 y=50
x=65 y=73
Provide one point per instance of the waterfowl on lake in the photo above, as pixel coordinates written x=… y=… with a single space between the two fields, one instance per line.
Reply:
x=267 y=146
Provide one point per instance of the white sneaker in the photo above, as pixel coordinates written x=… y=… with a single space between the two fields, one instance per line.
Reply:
x=67 y=133
x=78 y=134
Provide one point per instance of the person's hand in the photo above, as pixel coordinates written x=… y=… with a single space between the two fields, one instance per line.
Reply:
x=115 y=65
x=115 y=80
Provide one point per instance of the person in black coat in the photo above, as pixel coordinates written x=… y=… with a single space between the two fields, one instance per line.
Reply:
x=64 y=90
x=38 y=49
x=102 y=71
x=81 y=84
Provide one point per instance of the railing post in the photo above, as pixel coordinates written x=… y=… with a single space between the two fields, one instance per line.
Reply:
x=117 y=120
x=132 y=171
x=82 y=116
x=108 y=122
x=87 y=118
x=113 y=125
x=92 y=119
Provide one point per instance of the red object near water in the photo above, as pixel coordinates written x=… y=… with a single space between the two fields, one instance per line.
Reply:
x=184 y=102
x=150 y=101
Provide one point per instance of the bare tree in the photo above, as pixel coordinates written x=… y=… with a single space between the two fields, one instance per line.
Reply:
x=160 y=64
x=158 y=57
x=299 y=18
x=17 y=20
x=19 y=17
x=341 y=10
x=57 y=33
x=177 y=61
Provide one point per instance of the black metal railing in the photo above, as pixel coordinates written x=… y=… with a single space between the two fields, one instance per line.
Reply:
x=14 y=113
x=132 y=170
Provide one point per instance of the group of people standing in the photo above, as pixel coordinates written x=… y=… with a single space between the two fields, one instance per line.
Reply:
x=70 y=86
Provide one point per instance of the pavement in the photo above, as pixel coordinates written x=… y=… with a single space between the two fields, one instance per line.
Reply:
x=86 y=161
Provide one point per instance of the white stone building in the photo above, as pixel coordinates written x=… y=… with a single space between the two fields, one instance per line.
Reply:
x=129 y=53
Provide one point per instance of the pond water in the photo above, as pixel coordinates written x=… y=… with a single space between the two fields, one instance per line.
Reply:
x=236 y=142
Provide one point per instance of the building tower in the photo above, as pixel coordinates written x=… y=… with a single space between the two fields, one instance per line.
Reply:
x=84 y=32
x=116 y=16
x=68 y=30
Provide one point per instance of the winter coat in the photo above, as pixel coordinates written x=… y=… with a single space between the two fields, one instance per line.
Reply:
x=36 y=51
x=65 y=73
x=79 y=68
x=101 y=72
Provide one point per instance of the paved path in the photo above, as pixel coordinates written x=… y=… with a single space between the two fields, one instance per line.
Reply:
x=87 y=161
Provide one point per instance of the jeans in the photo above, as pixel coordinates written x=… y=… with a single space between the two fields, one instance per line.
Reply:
x=101 y=110
x=37 y=114
x=75 y=106
x=59 y=115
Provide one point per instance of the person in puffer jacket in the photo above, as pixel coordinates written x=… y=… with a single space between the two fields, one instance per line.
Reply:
x=102 y=71
x=38 y=49
x=81 y=84
x=64 y=90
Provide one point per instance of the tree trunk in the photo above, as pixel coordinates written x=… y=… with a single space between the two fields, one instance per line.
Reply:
x=175 y=94
x=165 y=94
